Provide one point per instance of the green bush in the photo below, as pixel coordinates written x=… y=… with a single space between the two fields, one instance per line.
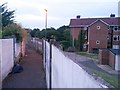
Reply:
x=65 y=44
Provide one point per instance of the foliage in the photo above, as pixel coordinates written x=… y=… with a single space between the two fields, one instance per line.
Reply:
x=62 y=34
x=81 y=40
x=66 y=35
x=14 y=29
x=9 y=28
x=0 y=34
x=38 y=34
x=61 y=30
x=32 y=33
x=7 y=15
x=89 y=55
x=50 y=32
x=108 y=78
x=65 y=44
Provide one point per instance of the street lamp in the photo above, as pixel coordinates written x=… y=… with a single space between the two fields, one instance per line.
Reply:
x=45 y=23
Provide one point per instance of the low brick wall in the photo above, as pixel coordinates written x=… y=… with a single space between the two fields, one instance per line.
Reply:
x=106 y=57
x=112 y=59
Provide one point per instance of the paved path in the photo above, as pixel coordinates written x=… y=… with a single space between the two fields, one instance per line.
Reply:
x=33 y=75
x=87 y=63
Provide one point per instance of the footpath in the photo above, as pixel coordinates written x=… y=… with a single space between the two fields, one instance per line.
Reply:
x=32 y=76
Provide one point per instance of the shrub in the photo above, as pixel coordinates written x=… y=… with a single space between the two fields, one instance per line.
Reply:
x=65 y=44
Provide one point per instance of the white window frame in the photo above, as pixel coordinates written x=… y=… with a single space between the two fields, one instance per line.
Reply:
x=117 y=36
x=114 y=28
x=85 y=36
x=84 y=46
x=98 y=27
x=108 y=37
x=97 y=42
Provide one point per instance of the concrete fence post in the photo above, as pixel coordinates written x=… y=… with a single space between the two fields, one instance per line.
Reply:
x=14 y=41
x=50 y=73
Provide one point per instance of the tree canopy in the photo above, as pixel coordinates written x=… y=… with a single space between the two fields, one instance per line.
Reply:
x=16 y=30
x=7 y=15
x=9 y=27
x=33 y=32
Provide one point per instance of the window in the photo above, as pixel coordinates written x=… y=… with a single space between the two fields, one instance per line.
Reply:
x=97 y=42
x=85 y=36
x=118 y=28
x=98 y=27
x=84 y=46
x=108 y=37
x=115 y=28
x=116 y=38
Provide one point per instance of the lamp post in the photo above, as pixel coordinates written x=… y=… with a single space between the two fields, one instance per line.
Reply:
x=45 y=23
x=50 y=69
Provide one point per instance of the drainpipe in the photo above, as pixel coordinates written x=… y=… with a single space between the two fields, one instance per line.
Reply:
x=111 y=38
x=73 y=39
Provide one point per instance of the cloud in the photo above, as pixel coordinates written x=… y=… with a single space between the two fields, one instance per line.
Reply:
x=31 y=17
x=31 y=12
x=31 y=21
x=25 y=3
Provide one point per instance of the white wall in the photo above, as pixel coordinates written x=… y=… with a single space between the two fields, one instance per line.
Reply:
x=117 y=63
x=47 y=64
x=7 y=57
x=17 y=49
x=66 y=73
x=0 y=65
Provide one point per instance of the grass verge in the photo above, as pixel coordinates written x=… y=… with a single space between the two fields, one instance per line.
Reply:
x=108 y=78
x=89 y=55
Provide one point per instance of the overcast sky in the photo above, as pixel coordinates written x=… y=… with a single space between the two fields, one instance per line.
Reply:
x=31 y=14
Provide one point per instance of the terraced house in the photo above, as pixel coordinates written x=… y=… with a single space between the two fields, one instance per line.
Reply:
x=99 y=32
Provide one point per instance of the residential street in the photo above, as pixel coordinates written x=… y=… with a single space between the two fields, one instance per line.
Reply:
x=33 y=75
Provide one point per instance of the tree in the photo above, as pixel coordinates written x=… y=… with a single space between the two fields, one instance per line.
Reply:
x=66 y=34
x=9 y=27
x=81 y=40
x=32 y=33
x=38 y=35
x=61 y=32
x=50 y=32
x=7 y=15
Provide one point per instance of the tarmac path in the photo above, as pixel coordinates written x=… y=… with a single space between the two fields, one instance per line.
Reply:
x=33 y=75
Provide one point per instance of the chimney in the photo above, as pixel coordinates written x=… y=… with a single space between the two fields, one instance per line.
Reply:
x=78 y=16
x=112 y=15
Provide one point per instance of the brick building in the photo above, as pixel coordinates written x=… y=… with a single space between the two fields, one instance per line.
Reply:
x=99 y=32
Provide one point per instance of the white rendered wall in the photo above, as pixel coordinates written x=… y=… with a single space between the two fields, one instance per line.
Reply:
x=17 y=49
x=66 y=73
x=117 y=63
x=0 y=64
x=7 y=56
